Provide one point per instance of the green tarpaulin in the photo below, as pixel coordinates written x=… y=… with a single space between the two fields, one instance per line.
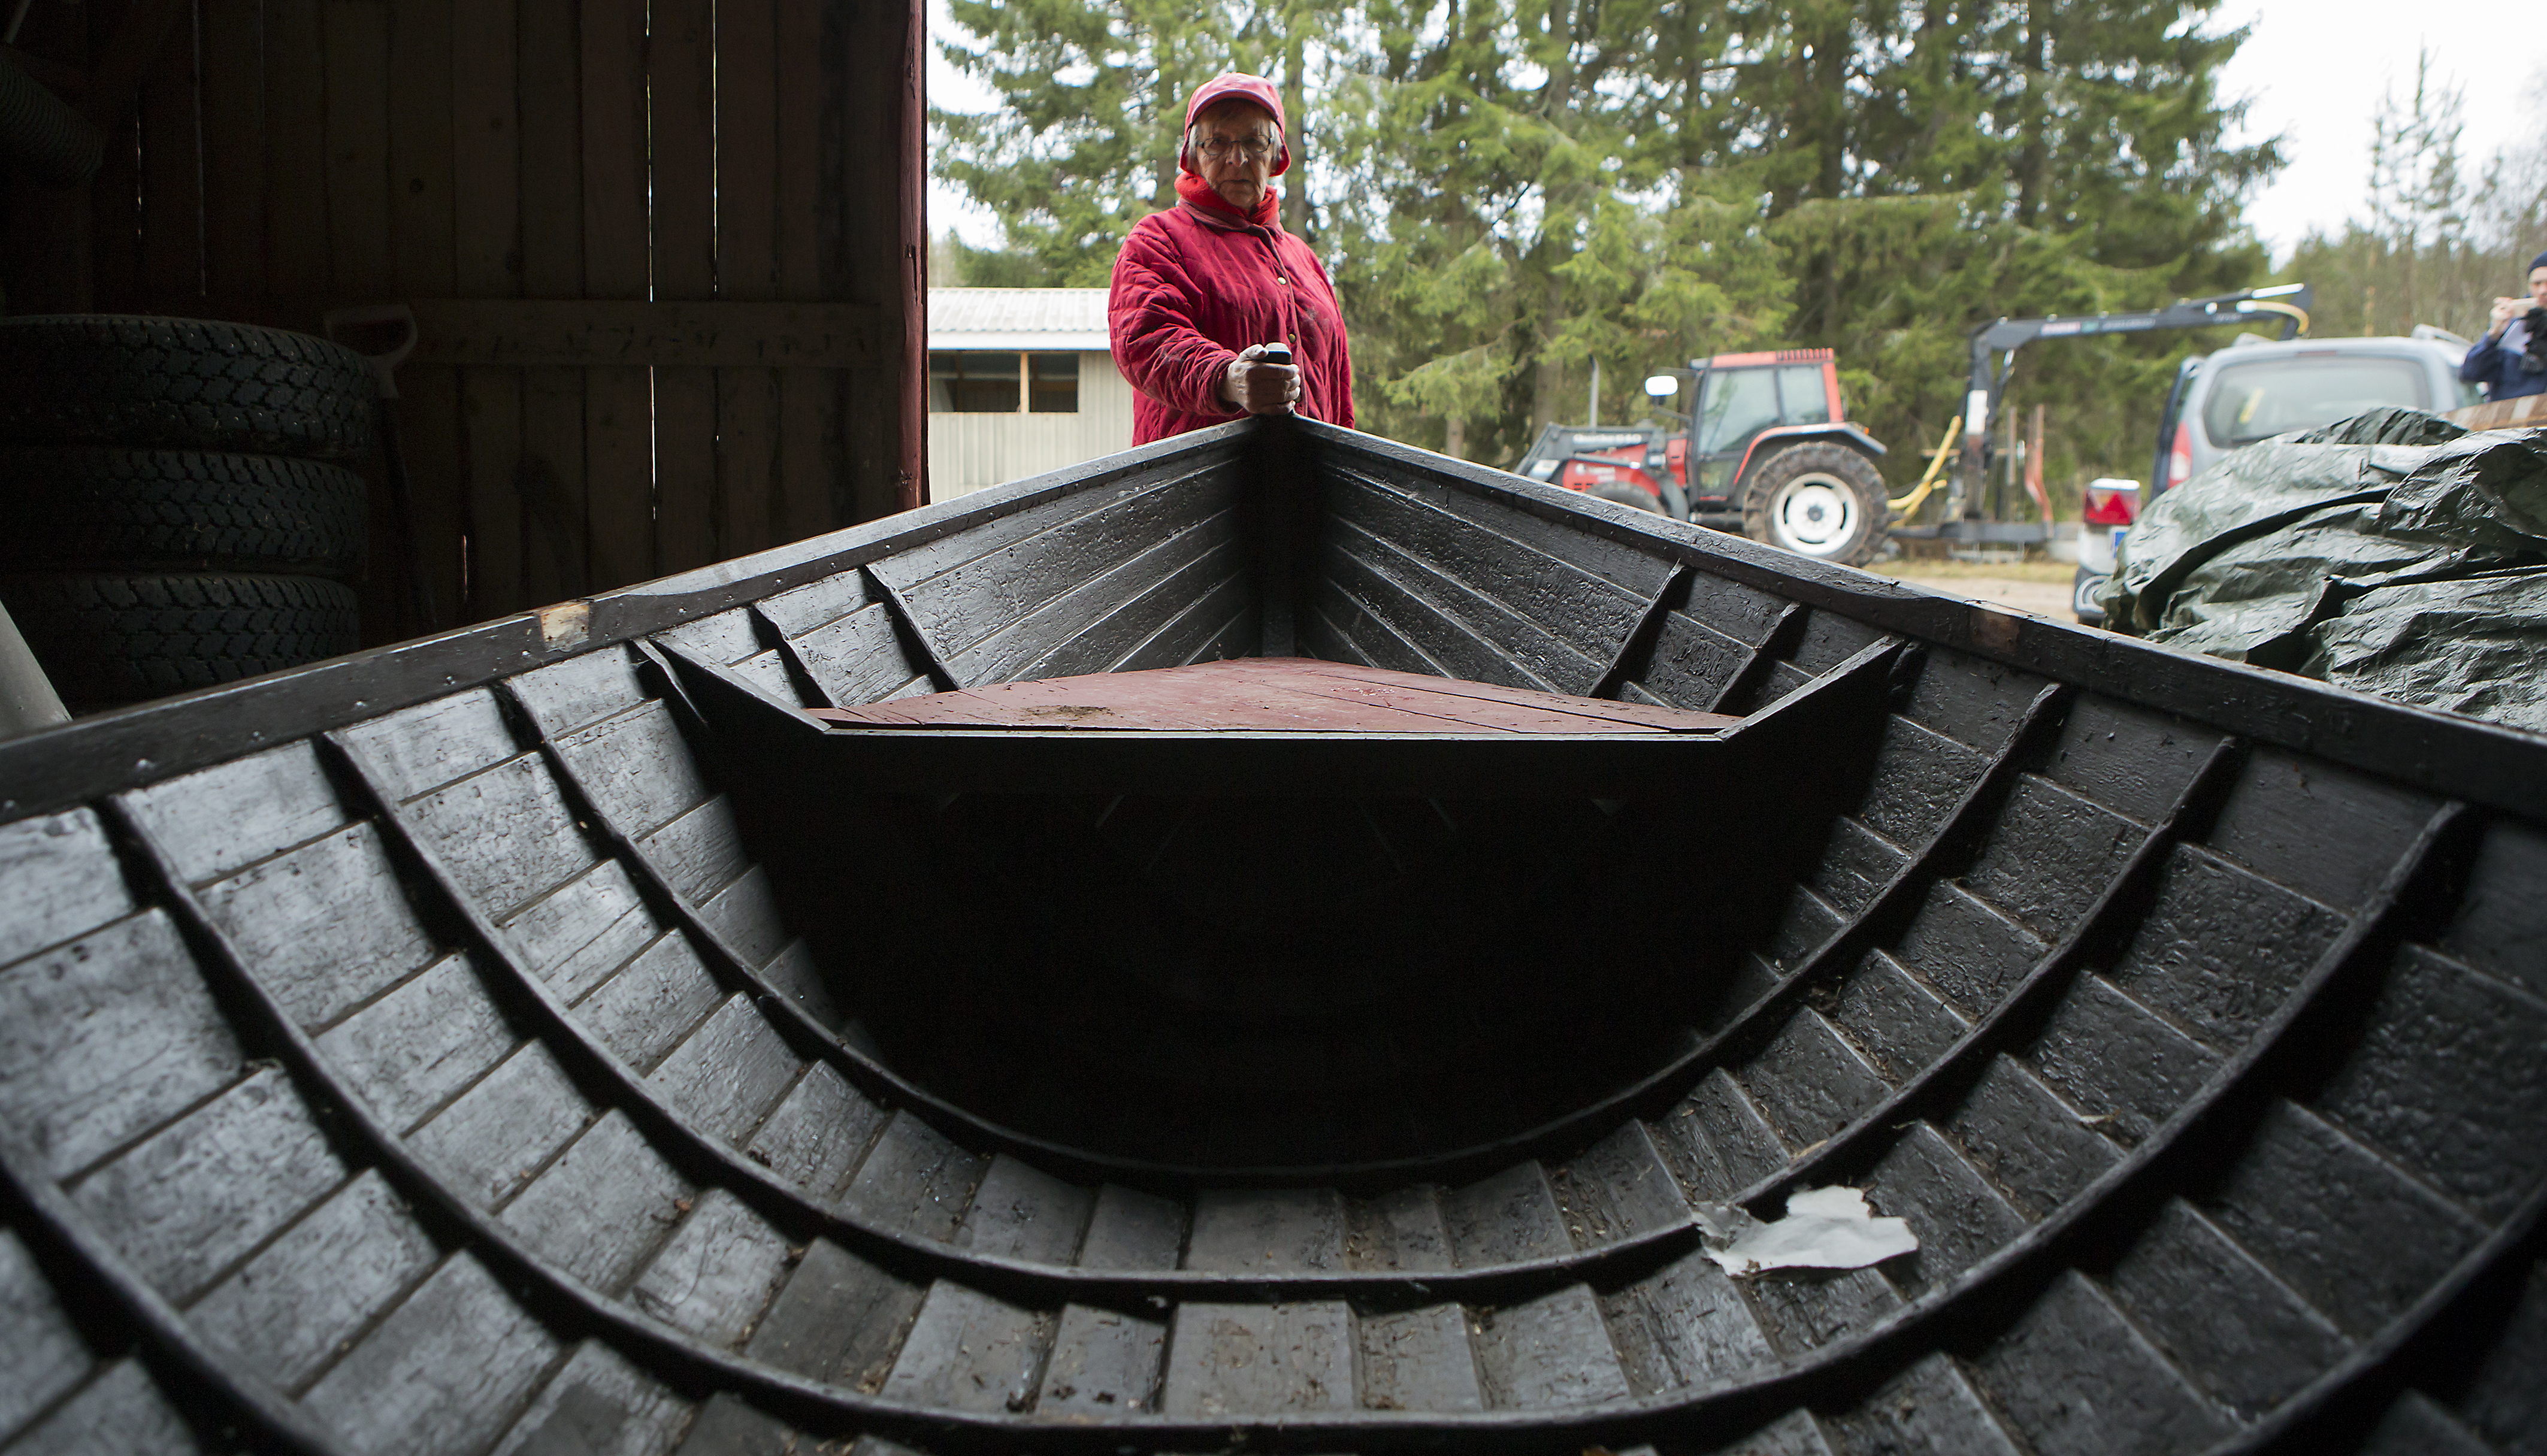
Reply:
x=2392 y=553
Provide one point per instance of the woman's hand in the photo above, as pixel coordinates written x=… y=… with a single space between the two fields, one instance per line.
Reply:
x=1258 y=388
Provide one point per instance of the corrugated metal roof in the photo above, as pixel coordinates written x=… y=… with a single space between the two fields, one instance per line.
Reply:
x=1017 y=319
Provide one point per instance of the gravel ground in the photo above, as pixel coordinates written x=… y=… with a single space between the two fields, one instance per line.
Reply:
x=2039 y=587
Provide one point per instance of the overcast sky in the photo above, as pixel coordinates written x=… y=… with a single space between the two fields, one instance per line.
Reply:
x=2311 y=72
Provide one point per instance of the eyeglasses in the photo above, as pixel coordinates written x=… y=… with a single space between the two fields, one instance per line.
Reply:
x=1254 y=149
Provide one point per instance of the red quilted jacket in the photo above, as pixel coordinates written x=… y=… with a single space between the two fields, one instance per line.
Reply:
x=1194 y=286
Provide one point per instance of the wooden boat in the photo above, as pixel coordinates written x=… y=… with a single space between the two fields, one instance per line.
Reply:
x=553 y=1037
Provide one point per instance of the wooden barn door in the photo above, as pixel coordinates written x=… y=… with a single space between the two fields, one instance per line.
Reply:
x=664 y=256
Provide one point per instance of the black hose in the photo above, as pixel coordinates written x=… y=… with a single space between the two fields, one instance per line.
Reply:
x=43 y=134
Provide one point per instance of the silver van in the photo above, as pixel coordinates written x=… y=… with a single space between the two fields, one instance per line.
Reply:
x=2256 y=388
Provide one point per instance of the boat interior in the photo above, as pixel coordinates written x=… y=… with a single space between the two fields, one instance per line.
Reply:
x=643 y=1016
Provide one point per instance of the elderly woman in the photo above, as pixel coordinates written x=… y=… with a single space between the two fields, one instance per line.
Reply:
x=1202 y=293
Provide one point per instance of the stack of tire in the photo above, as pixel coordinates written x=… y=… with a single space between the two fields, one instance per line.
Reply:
x=176 y=506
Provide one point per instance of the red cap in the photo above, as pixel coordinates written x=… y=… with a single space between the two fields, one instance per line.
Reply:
x=1253 y=89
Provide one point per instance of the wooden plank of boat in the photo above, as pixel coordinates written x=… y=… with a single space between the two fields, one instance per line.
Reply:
x=1272 y=695
x=1257 y=727
x=526 y=1040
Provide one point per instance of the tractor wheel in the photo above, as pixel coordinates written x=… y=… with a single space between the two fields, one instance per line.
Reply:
x=1628 y=495
x=1823 y=502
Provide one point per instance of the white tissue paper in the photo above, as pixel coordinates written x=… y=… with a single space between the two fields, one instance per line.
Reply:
x=1825 y=1229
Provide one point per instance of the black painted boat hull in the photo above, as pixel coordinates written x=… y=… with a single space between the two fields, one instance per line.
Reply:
x=502 y=1042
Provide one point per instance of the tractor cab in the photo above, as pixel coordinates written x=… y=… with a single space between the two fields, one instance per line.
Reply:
x=1766 y=450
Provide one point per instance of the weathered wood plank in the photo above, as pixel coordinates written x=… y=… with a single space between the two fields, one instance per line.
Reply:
x=968 y=1351
x=2447 y=1083
x=288 y=1311
x=599 y=1405
x=1717 y=1142
x=602 y=1209
x=43 y=1355
x=2118 y=1062
x=916 y=1180
x=1399 y=1230
x=121 y=1410
x=1958 y=1218
x=1508 y=1217
x=818 y=1134
x=575 y=935
x=1096 y=620
x=1928 y=1408
x=1684 y=1325
x=2073 y=1366
x=795 y=974
x=323 y=927
x=717 y=1273
x=647 y=1009
x=2028 y=1141
x=2245 y=1336
x=1418 y=1360
x=723 y=637
x=215 y=820
x=2329 y=833
x=1619 y=1189
x=744 y=915
x=59 y=880
x=636 y=768
x=459 y=1331
x=505 y=834
x=1260 y=1360
x=700 y=853
x=800 y=610
x=1102 y=1362
x=1261 y=1230
x=840 y=1319
x=2220 y=948
x=1967 y=949
x=1808 y=1081
x=729 y=1072
x=1553 y=1350
x=1461 y=621
x=415 y=1049
x=422 y=749
x=1804 y=1309
x=184 y=1203
x=857 y=658
x=106 y=1037
x=1897 y=1024
x=583 y=689
x=2356 y=1238
x=1022 y=1211
x=505 y=1129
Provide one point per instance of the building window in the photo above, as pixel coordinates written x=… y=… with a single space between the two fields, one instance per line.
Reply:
x=1002 y=383
x=1055 y=380
x=973 y=384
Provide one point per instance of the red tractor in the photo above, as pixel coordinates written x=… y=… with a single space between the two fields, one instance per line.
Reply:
x=1768 y=451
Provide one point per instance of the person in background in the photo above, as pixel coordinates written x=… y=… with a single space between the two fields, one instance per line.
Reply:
x=1202 y=291
x=2512 y=359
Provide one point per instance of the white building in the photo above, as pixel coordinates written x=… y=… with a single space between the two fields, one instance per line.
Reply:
x=1019 y=381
